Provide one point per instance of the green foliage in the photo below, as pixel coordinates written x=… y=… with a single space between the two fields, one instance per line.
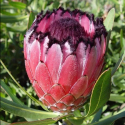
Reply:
x=109 y=20
x=16 y=18
x=24 y=111
x=100 y=93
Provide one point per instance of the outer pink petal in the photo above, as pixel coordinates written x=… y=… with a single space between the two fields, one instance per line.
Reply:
x=77 y=17
x=68 y=99
x=61 y=106
x=88 y=90
x=42 y=25
x=79 y=101
x=53 y=62
x=57 y=92
x=34 y=55
x=98 y=50
x=49 y=99
x=44 y=102
x=99 y=64
x=58 y=14
x=27 y=44
x=38 y=89
x=66 y=14
x=55 y=109
x=28 y=70
x=68 y=75
x=43 y=78
x=85 y=22
x=91 y=62
x=92 y=30
x=97 y=71
x=100 y=68
x=103 y=45
x=43 y=49
x=66 y=49
x=25 y=53
x=50 y=20
x=82 y=55
x=45 y=23
x=79 y=87
x=70 y=108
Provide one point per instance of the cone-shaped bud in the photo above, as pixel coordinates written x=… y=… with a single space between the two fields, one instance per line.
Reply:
x=64 y=55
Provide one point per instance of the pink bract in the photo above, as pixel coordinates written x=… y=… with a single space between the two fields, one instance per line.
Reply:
x=64 y=55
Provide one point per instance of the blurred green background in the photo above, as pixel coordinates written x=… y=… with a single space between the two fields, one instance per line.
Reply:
x=18 y=15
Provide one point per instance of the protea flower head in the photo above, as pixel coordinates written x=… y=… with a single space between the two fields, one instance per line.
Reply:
x=64 y=55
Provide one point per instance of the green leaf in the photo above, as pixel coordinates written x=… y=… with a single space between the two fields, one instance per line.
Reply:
x=76 y=120
x=118 y=63
x=21 y=37
x=109 y=20
x=41 y=122
x=8 y=13
x=108 y=23
x=100 y=93
x=9 y=92
x=24 y=111
x=86 y=108
x=116 y=98
x=97 y=116
x=31 y=19
x=35 y=100
x=17 y=5
x=12 y=19
x=122 y=41
x=77 y=113
x=5 y=7
x=17 y=28
x=109 y=120
x=4 y=123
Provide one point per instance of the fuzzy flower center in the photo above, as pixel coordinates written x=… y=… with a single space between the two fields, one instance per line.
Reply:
x=66 y=28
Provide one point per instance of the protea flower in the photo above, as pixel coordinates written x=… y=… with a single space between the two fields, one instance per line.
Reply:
x=64 y=55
